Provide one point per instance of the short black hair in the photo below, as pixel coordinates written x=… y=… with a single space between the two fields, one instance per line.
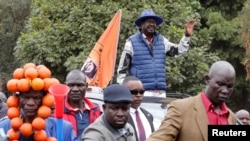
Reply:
x=129 y=78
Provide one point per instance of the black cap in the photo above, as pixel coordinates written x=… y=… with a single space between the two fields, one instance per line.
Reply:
x=116 y=93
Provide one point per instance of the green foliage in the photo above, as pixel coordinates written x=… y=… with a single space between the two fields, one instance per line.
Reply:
x=228 y=9
x=215 y=22
x=244 y=35
x=220 y=18
x=190 y=70
x=61 y=35
x=12 y=19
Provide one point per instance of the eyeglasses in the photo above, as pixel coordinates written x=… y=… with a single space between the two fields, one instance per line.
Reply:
x=135 y=92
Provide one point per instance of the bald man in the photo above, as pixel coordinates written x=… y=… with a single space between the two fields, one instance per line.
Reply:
x=243 y=116
x=187 y=119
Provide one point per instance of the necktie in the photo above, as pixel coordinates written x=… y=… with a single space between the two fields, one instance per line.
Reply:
x=140 y=127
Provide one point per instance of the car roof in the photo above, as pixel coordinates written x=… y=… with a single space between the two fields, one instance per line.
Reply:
x=97 y=93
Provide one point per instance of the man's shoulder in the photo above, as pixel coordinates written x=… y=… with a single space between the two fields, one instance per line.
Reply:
x=53 y=121
x=96 y=131
x=92 y=105
x=132 y=36
x=145 y=111
x=129 y=126
x=5 y=123
x=4 y=120
x=97 y=125
x=185 y=99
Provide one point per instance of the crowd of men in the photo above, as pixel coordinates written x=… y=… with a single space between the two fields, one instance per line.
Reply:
x=141 y=72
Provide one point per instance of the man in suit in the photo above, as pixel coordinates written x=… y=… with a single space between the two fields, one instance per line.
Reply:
x=188 y=119
x=136 y=89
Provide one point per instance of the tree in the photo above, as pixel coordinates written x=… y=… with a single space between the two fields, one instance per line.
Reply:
x=61 y=34
x=12 y=20
x=244 y=36
x=220 y=17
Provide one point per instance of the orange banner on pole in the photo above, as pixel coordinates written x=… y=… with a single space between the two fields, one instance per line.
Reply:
x=99 y=66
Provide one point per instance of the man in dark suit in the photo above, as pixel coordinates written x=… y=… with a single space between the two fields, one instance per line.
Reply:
x=137 y=113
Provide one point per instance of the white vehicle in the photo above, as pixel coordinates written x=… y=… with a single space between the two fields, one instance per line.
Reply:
x=157 y=106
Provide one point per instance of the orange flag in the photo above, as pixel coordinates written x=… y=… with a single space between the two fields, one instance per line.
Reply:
x=99 y=66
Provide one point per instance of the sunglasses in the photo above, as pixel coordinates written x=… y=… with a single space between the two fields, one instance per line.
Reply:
x=135 y=92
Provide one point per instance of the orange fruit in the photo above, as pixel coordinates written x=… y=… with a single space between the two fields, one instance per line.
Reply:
x=12 y=101
x=40 y=135
x=51 y=139
x=13 y=112
x=37 y=84
x=38 y=123
x=48 y=100
x=30 y=73
x=23 y=85
x=48 y=82
x=43 y=72
x=56 y=81
x=26 y=129
x=29 y=65
x=16 y=123
x=40 y=66
x=13 y=135
x=44 y=112
x=18 y=73
x=12 y=85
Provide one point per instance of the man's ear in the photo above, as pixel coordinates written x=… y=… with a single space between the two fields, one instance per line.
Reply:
x=207 y=79
x=103 y=107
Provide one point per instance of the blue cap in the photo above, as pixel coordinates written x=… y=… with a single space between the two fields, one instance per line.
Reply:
x=116 y=93
x=147 y=14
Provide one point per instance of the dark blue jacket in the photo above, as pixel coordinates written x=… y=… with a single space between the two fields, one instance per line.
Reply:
x=68 y=132
x=149 y=64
